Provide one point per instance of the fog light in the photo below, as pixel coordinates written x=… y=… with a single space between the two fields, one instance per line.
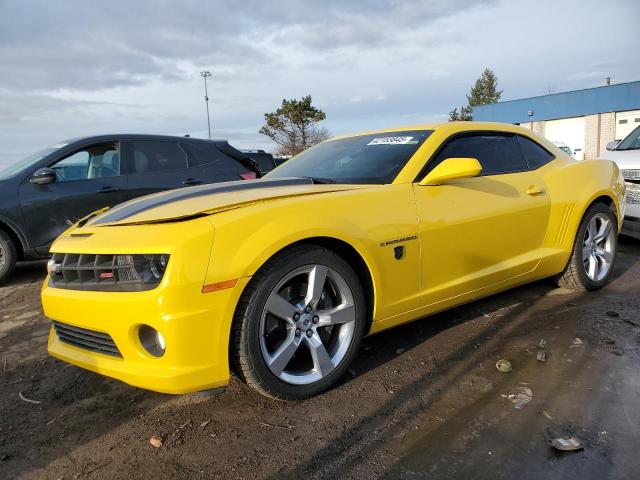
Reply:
x=152 y=340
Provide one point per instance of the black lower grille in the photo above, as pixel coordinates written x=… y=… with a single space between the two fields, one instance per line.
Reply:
x=88 y=339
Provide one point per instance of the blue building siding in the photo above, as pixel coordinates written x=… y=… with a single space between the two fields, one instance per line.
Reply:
x=614 y=98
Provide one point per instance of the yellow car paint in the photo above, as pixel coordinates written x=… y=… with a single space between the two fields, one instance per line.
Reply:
x=452 y=169
x=463 y=239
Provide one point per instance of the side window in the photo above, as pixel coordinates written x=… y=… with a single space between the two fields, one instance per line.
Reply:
x=153 y=156
x=496 y=153
x=100 y=161
x=211 y=156
x=536 y=155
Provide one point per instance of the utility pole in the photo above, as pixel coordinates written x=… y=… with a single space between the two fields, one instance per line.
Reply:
x=204 y=74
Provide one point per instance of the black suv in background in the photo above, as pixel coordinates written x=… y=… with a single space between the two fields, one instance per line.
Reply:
x=266 y=161
x=42 y=195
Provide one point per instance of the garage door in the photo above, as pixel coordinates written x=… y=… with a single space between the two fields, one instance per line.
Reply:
x=569 y=131
x=626 y=122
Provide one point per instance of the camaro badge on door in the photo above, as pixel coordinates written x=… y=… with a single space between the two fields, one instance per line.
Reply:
x=398 y=240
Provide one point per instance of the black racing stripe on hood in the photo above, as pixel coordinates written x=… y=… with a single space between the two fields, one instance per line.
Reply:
x=138 y=206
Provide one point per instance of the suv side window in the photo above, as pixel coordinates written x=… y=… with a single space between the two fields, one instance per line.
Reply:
x=496 y=153
x=154 y=156
x=98 y=161
x=535 y=154
x=209 y=155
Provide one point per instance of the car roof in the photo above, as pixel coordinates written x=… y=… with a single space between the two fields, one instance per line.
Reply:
x=451 y=127
x=138 y=136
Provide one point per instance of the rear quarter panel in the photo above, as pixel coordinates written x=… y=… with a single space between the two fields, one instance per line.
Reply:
x=573 y=186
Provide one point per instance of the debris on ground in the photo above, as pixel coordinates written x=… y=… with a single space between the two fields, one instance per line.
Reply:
x=631 y=322
x=546 y=414
x=521 y=398
x=566 y=444
x=541 y=356
x=156 y=441
x=542 y=343
x=504 y=366
x=613 y=313
x=25 y=399
x=204 y=424
x=577 y=343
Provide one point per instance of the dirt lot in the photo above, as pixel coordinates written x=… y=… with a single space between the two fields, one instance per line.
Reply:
x=422 y=401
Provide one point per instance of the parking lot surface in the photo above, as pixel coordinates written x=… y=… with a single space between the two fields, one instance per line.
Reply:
x=422 y=401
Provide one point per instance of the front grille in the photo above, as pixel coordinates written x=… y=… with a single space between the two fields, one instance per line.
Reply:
x=114 y=273
x=631 y=174
x=87 y=339
x=633 y=197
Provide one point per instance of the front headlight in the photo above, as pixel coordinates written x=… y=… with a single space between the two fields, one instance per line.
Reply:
x=124 y=273
x=141 y=268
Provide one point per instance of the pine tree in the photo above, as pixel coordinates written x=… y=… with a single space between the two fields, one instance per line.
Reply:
x=294 y=126
x=484 y=91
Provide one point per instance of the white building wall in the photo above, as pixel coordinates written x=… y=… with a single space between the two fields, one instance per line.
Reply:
x=570 y=131
x=626 y=122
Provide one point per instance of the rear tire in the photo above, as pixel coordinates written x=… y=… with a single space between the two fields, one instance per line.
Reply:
x=594 y=250
x=298 y=324
x=8 y=257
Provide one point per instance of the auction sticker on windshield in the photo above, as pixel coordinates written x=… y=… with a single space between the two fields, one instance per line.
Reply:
x=393 y=141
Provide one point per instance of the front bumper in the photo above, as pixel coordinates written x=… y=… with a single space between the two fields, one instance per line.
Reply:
x=196 y=330
x=195 y=325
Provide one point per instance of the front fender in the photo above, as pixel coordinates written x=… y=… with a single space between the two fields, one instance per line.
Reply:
x=247 y=238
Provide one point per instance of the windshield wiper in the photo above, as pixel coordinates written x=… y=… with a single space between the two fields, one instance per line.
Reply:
x=320 y=180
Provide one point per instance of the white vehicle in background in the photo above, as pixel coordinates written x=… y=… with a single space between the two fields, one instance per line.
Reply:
x=626 y=154
x=564 y=147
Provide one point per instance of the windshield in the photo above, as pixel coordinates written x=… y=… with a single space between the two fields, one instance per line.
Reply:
x=17 y=167
x=365 y=159
x=631 y=142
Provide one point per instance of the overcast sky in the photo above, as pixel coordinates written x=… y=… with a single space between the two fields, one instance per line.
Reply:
x=85 y=67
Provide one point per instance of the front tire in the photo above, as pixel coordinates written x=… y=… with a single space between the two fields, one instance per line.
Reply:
x=594 y=250
x=298 y=324
x=8 y=256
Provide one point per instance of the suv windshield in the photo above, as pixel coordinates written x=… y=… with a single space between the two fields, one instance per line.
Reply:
x=14 y=168
x=365 y=159
x=632 y=142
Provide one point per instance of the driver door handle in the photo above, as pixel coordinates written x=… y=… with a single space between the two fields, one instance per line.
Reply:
x=108 y=190
x=534 y=190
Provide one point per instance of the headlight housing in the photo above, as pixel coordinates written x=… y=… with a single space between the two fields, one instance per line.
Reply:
x=118 y=273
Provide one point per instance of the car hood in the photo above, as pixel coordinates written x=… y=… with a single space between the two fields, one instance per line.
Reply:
x=185 y=203
x=624 y=158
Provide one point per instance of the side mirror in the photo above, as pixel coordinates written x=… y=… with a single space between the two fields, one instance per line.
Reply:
x=612 y=145
x=451 y=169
x=43 y=176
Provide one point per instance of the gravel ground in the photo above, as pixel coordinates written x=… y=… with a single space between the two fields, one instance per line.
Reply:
x=422 y=401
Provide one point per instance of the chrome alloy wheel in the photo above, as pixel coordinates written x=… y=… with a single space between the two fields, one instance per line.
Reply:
x=598 y=247
x=307 y=324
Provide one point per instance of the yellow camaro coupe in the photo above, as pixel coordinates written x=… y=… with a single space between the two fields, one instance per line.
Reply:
x=280 y=278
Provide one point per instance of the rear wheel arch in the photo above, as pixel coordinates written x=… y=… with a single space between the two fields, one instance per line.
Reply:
x=15 y=237
x=606 y=200
x=573 y=275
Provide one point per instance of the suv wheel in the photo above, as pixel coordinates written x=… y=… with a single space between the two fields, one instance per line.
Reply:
x=8 y=256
